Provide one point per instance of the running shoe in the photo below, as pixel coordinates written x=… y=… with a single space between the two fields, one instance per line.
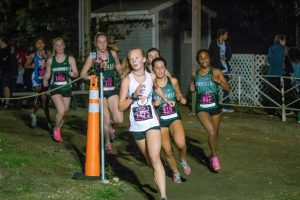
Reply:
x=57 y=135
x=176 y=178
x=186 y=167
x=228 y=110
x=164 y=198
x=108 y=148
x=50 y=127
x=215 y=163
x=33 y=120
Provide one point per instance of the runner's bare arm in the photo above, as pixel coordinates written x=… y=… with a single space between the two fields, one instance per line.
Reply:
x=192 y=84
x=29 y=62
x=124 y=102
x=160 y=92
x=178 y=92
x=219 y=78
x=117 y=63
x=74 y=72
x=87 y=65
x=48 y=73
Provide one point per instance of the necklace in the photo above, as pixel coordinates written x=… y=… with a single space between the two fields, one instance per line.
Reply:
x=162 y=82
x=203 y=72
x=139 y=75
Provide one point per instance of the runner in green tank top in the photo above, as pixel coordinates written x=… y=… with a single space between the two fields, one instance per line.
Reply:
x=60 y=76
x=205 y=82
x=170 y=120
x=61 y=68
x=207 y=92
x=109 y=61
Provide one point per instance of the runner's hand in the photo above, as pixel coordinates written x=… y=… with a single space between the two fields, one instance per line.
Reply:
x=171 y=103
x=183 y=100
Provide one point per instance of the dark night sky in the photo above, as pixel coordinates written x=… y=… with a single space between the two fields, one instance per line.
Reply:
x=252 y=24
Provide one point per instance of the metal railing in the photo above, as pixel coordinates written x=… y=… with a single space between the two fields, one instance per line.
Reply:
x=247 y=93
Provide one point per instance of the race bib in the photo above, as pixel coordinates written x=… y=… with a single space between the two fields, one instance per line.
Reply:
x=207 y=100
x=168 y=112
x=109 y=82
x=41 y=72
x=60 y=78
x=142 y=113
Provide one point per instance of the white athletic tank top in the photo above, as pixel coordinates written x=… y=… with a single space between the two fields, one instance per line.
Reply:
x=142 y=115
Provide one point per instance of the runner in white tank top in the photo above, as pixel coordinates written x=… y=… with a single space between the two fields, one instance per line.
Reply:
x=136 y=93
x=142 y=115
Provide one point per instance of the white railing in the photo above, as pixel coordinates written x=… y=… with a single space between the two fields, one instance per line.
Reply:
x=249 y=85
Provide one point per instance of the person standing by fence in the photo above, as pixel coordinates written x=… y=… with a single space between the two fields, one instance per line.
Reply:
x=277 y=55
x=294 y=58
x=221 y=53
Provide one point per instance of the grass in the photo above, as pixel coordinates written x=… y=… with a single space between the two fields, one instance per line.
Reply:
x=259 y=155
x=32 y=170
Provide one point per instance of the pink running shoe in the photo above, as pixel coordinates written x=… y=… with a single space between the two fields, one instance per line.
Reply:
x=215 y=163
x=186 y=167
x=57 y=135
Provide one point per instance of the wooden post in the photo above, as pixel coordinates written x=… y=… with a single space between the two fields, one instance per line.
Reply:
x=196 y=38
x=87 y=27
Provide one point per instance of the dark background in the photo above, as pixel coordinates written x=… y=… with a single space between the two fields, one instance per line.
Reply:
x=252 y=24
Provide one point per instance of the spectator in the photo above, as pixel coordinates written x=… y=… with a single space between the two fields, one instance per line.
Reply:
x=7 y=71
x=220 y=52
x=294 y=58
x=277 y=54
x=28 y=71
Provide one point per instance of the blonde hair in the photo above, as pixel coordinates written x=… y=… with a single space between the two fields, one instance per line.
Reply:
x=55 y=40
x=127 y=68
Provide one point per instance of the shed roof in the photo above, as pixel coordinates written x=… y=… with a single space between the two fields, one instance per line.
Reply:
x=139 y=7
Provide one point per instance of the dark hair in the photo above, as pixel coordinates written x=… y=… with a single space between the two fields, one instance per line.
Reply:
x=152 y=49
x=5 y=40
x=221 y=31
x=39 y=38
x=278 y=38
x=158 y=59
x=294 y=54
x=201 y=51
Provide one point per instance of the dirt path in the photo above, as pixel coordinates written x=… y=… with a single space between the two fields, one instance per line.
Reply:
x=260 y=157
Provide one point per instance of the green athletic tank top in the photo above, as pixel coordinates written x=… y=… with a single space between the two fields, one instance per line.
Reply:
x=60 y=74
x=164 y=110
x=207 y=95
x=109 y=82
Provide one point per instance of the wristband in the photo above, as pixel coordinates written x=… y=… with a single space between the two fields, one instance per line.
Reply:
x=133 y=98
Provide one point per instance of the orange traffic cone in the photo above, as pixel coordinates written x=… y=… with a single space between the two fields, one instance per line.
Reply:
x=92 y=160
